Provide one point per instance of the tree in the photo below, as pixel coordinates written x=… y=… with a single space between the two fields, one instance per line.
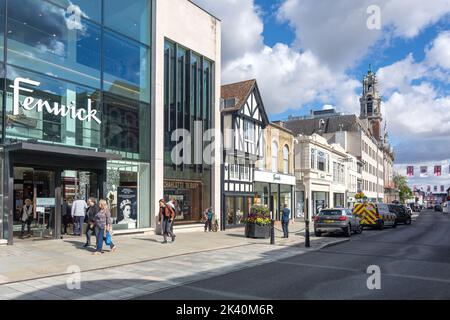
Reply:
x=401 y=183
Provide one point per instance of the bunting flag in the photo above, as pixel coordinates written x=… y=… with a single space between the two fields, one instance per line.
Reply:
x=437 y=171
x=410 y=171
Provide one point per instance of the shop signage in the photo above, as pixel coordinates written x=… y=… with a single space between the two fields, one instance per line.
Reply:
x=181 y=185
x=276 y=176
x=45 y=202
x=30 y=103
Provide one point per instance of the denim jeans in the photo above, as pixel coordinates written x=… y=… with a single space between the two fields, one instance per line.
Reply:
x=100 y=235
x=166 y=228
x=285 y=225
x=78 y=225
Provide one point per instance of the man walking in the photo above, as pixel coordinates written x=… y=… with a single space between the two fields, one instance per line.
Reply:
x=79 y=207
x=285 y=221
x=173 y=203
x=91 y=212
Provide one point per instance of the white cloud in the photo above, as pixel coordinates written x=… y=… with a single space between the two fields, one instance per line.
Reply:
x=332 y=36
x=439 y=54
x=336 y=31
x=242 y=26
x=289 y=79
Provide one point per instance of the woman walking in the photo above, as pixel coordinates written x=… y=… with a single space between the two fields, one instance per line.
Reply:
x=102 y=226
x=166 y=216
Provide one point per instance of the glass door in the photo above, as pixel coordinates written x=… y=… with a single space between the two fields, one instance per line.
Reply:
x=34 y=203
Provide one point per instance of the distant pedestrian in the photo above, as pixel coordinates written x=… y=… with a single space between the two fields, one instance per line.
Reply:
x=79 y=207
x=176 y=207
x=166 y=216
x=27 y=218
x=209 y=215
x=102 y=226
x=65 y=216
x=285 y=221
x=91 y=212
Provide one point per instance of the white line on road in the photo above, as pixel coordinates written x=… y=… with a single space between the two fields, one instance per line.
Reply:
x=441 y=280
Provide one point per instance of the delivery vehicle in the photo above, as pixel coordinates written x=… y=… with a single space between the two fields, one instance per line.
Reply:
x=337 y=220
x=375 y=215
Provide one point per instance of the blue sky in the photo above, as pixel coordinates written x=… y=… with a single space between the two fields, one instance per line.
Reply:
x=380 y=55
x=306 y=54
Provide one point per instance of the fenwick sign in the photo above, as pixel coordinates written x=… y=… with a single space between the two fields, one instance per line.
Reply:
x=30 y=103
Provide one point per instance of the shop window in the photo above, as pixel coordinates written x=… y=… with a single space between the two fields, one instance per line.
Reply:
x=126 y=128
x=126 y=67
x=45 y=126
x=131 y=17
x=128 y=194
x=43 y=38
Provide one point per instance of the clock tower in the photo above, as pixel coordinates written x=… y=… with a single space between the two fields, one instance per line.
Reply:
x=370 y=102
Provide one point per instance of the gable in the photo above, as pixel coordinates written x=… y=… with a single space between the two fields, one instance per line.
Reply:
x=254 y=107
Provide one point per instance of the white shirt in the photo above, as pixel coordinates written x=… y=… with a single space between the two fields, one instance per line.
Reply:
x=79 y=208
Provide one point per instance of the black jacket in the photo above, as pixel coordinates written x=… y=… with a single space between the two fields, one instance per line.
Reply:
x=91 y=212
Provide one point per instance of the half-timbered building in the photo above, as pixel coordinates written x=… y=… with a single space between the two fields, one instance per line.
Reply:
x=243 y=121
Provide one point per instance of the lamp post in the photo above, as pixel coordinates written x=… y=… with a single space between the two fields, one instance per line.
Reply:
x=307 y=243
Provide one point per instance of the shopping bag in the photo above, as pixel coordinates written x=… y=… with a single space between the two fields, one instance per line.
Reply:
x=108 y=238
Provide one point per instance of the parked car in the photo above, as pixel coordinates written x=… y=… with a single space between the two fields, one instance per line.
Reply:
x=401 y=213
x=438 y=208
x=337 y=220
x=408 y=209
x=375 y=215
x=446 y=207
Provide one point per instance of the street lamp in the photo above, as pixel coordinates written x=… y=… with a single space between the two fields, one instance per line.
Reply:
x=307 y=243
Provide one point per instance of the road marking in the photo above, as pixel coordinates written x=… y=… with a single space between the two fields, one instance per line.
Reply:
x=441 y=280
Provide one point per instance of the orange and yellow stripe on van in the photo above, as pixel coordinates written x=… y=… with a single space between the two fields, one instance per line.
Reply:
x=366 y=212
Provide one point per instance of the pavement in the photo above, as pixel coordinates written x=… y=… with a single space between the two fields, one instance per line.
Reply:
x=142 y=265
x=413 y=262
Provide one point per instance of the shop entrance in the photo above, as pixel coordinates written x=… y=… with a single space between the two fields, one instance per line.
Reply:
x=36 y=194
x=34 y=203
x=40 y=183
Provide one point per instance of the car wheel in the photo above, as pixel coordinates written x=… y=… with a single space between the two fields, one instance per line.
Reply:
x=360 y=229
x=317 y=233
x=408 y=221
x=381 y=226
x=394 y=225
x=348 y=231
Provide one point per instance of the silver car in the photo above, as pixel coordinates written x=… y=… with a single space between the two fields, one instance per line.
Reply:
x=338 y=219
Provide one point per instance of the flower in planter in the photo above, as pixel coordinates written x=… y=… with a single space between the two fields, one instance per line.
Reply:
x=259 y=215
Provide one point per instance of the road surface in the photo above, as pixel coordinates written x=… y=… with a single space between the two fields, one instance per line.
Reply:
x=414 y=263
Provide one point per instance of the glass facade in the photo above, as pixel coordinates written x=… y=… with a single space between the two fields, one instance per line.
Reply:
x=77 y=73
x=188 y=105
x=274 y=196
x=237 y=209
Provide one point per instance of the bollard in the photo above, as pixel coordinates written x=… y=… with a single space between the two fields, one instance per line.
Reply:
x=272 y=231
x=307 y=244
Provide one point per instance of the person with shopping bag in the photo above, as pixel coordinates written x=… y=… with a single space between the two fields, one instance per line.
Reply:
x=103 y=229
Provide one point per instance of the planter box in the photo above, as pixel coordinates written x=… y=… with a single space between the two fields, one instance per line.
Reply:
x=256 y=231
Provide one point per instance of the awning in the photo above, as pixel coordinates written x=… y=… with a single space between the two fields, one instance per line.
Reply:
x=24 y=146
